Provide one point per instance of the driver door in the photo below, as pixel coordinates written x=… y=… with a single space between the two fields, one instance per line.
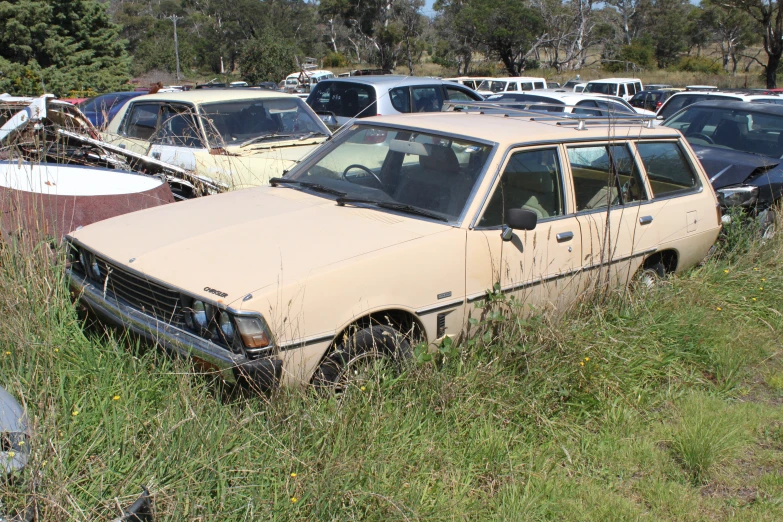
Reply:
x=537 y=266
x=178 y=137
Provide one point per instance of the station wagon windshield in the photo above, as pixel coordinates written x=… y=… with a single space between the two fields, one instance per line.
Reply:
x=381 y=165
x=242 y=121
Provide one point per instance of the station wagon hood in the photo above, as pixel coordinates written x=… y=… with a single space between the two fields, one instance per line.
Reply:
x=244 y=241
x=727 y=167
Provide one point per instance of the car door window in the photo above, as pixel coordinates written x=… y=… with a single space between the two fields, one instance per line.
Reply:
x=512 y=86
x=526 y=87
x=586 y=107
x=400 y=99
x=427 y=99
x=531 y=181
x=599 y=171
x=455 y=94
x=178 y=127
x=142 y=121
x=668 y=170
x=540 y=85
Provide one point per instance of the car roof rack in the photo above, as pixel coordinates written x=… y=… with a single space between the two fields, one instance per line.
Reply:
x=533 y=112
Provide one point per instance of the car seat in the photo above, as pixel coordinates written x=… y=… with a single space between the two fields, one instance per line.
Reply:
x=727 y=133
x=438 y=184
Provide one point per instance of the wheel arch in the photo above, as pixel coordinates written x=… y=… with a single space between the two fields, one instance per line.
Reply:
x=668 y=258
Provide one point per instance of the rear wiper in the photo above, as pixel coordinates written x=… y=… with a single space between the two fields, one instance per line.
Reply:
x=263 y=138
x=314 y=186
x=400 y=207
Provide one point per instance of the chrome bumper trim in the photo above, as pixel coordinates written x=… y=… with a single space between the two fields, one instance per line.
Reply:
x=170 y=337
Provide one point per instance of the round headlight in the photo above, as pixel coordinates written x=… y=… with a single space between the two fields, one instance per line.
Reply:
x=226 y=326
x=199 y=314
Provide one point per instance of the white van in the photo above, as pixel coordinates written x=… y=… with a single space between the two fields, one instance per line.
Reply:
x=623 y=87
x=492 y=86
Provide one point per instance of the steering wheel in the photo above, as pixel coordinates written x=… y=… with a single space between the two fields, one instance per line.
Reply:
x=365 y=169
x=703 y=137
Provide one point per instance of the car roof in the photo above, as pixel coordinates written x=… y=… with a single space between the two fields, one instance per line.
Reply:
x=767 y=108
x=615 y=80
x=563 y=95
x=745 y=95
x=517 y=127
x=388 y=80
x=215 y=95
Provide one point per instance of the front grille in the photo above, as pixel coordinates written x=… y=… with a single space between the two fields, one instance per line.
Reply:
x=164 y=304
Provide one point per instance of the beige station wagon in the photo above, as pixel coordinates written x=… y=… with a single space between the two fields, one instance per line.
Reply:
x=392 y=233
x=236 y=138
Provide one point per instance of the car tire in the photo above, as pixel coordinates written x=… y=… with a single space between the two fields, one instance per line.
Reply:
x=651 y=276
x=353 y=359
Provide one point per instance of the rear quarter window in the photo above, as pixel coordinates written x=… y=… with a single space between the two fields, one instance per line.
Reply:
x=668 y=170
x=344 y=99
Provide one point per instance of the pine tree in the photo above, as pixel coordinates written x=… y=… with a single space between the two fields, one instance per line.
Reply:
x=60 y=46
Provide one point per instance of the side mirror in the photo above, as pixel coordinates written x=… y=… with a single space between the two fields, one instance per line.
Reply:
x=518 y=219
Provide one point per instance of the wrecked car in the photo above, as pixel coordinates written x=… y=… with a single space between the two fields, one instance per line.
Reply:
x=391 y=234
x=740 y=145
x=234 y=137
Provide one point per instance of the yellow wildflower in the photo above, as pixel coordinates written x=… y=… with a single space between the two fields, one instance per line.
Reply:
x=763 y=278
x=587 y=359
x=116 y=398
x=761 y=288
x=8 y=353
x=726 y=271
x=362 y=388
x=11 y=454
x=56 y=350
x=294 y=500
x=293 y=475
x=581 y=363
x=754 y=298
x=75 y=413
x=719 y=308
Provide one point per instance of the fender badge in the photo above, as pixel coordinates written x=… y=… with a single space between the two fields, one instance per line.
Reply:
x=444 y=295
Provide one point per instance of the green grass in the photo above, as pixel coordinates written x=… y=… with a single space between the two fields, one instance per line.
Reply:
x=661 y=404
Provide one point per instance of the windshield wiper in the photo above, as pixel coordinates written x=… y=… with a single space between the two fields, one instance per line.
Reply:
x=400 y=207
x=311 y=134
x=314 y=186
x=263 y=138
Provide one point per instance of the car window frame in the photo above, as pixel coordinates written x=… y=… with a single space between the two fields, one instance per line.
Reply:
x=123 y=130
x=195 y=114
x=565 y=185
x=692 y=163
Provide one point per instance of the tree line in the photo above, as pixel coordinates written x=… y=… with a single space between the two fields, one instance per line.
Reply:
x=67 y=46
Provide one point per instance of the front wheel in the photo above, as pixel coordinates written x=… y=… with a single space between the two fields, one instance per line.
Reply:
x=767 y=219
x=369 y=353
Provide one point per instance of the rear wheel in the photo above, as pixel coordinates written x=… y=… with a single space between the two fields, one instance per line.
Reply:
x=651 y=276
x=370 y=353
x=767 y=219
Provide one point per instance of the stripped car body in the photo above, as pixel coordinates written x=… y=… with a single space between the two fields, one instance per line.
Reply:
x=401 y=221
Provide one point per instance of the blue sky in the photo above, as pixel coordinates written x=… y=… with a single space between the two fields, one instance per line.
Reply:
x=428 y=7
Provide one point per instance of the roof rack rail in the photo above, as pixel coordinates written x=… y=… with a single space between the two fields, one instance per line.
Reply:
x=534 y=112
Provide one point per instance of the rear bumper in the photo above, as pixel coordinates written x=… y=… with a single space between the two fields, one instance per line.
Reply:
x=263 y=373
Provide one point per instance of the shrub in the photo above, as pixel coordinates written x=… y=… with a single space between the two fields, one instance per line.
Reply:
x=699 y=64
x=335 y=60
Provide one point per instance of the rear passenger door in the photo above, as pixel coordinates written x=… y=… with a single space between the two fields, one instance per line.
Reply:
x=536 y=266
x=609 y=192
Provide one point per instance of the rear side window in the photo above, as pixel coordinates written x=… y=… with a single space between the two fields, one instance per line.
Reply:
x=675 y=103
x=527 y=86
x=511 y=87
x=668 y=171
x=142 y=120
x=400 y=99
x=346 y=99
x=604 y=175
x=427 y=99
x=455 y=94
x=540 y=85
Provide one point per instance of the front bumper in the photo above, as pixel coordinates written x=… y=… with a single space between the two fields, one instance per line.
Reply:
x=264 y=373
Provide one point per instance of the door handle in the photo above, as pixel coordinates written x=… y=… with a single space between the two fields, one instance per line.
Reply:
x=564 y=236
x=156 y=155
x=645 y=220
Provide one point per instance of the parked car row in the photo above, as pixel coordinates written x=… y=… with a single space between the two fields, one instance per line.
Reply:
x=315 y=269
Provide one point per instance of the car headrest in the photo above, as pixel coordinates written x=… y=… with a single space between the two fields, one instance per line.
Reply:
x=442 y=159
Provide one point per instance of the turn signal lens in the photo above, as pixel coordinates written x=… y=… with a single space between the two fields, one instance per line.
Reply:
x=253 y=332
